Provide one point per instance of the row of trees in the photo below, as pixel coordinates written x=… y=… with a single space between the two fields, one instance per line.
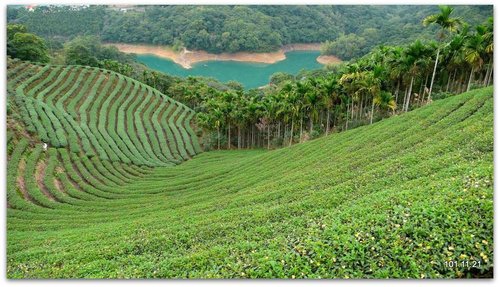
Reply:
x=296 y=111
x=389 y=80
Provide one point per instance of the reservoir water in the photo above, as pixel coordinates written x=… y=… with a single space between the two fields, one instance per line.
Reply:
x=251 y=75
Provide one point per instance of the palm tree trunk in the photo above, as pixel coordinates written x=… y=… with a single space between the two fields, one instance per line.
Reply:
x=409 y=95
x=470 y=79
x=229 y=136
x=487 y=76
x=243 y=138
x=421 y=90
x=404 y=100
x=397 y=94
x=334 y=118
x=359 y=107
x=279 y=129
x=249 y=139
x=491 y=74
x=300 y=135
x=285 y=127
x=433 y=74
x=327 y=122
x=253 y=136
x=425 y=85
x=448 y=83
x=464 y=84
x=239 y=137
x=363 y=108
x=264 y=138
x=352 y=110
x=371 y=114
x=291 y=134
x=246 y=138
x=453 y=80
x=311 y=124
x=218 y=137
x=283 y=136
x=321 y=118
x=346 y=115
x=260 y=141
x=269 y=136
x=258 y=135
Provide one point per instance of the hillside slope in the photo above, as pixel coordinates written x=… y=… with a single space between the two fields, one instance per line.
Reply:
x=398 y=198
x=96 y=112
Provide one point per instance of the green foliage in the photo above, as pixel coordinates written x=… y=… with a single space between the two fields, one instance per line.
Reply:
x=88 y=51
x=444 y=20
x=124 y=69
x=350 y=46
x=231 y=28
x=280 y=77
x=24 y=45
x=13 y=29
x=80 y=55
x=345 y=47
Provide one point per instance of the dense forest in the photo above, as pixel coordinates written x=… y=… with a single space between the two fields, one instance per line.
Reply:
x=241 y=28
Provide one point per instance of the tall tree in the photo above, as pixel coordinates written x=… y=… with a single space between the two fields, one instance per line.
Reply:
x=475 y=51
x=312 y=101
x=446 y=23
x=373 y=81
x=24 y=45
x=330 y=88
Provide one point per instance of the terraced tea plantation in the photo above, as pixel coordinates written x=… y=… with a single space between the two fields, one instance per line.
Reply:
x=101 y=113
x=111 y=196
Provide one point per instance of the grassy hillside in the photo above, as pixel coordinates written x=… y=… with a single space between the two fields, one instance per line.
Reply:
x=394 y=199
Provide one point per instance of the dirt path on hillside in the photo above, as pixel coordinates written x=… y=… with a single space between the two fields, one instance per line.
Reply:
x=20 y=181
x=40 y=175
x=59 y=186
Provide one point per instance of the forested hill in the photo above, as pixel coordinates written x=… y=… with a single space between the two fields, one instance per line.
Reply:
x=238 y=28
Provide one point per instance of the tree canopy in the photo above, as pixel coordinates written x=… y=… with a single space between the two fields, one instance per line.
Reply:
x=24 y=45
x=232 y=28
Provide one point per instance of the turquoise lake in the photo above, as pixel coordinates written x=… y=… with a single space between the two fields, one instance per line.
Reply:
x=251 y=75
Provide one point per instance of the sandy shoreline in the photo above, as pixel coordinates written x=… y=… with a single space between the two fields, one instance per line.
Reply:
x=328 y=59
x=187 y=58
